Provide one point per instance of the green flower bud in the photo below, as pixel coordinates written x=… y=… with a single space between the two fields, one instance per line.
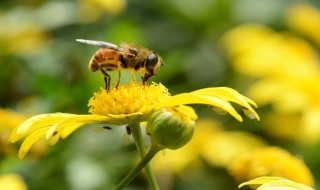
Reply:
x=171 y=128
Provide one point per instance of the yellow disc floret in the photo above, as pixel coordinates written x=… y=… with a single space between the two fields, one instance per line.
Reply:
x=128 y=99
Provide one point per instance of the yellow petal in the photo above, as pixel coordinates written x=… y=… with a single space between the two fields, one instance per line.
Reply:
x=283 y=185
x=259 y=181
x=275 y=183
x=69 y=125
x=192 y=98
x=34 y=123
x=30 y=140
x=189 y=111
x=129 y=118
x=228 y=93
x=231 y=95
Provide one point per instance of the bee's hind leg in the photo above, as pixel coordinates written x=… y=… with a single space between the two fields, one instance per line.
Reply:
x=107 y=79
x=107 y=82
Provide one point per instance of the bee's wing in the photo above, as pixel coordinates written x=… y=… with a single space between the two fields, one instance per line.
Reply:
x=100 y=44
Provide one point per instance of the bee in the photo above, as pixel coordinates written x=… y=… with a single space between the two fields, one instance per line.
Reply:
x=126 y=56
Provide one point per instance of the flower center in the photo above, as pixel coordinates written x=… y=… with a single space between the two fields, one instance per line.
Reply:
x=128 y=99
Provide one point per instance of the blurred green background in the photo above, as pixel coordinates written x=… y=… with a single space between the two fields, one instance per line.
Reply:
x=43 y=69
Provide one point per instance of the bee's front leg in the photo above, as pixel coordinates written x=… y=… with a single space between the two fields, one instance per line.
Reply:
x=145 y=78
x=117 y=83
x=133 y=76
x=144 y=82
x=107 y=79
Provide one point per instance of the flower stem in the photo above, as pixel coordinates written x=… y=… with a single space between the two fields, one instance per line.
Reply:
x=139 y=142
x=135 y=171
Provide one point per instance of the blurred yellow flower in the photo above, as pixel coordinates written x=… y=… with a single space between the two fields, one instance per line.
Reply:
x=223 y=148
x=305 y=19
x=288 y=73
x=258 y=51
x=126 y=107
x=91 y=10
x=271 y=161
x=12 y=182
x=274 y=183
x=21 y=38
x=8 y=121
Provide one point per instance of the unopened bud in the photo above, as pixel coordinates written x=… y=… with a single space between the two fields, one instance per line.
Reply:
x=171 y=128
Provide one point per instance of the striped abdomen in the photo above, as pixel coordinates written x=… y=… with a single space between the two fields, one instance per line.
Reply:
x=106 y=59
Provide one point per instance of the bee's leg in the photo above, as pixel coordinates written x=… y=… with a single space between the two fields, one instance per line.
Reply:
x=133 y=76
x=107 y=82
x=144 y=81
x=107 y=79
x=145 y=78
x=117 y=83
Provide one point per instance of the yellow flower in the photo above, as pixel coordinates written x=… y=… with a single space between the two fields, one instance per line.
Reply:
x=97 y=8
x=306 y=20
x=8 y=121
x=278 y=183
x=127 y=104
x=223 y=148
x=126 y=100
x=21 y=38
x=288 y=73
x=12 y=182
x=271 y=161
x=258 y=51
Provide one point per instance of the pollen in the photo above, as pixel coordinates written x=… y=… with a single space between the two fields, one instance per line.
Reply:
x=128 y=99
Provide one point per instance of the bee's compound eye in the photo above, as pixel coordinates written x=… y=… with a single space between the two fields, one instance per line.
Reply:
x=152 y=60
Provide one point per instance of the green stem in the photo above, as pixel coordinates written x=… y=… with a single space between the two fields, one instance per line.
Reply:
x=135 y=171
x=139 y=142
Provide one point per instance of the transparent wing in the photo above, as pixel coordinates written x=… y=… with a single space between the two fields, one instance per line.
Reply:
x=99 y=44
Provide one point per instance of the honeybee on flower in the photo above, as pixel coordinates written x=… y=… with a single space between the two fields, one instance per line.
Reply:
x=126 y=56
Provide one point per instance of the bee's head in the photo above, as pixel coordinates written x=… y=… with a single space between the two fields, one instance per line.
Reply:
x=153 y=63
